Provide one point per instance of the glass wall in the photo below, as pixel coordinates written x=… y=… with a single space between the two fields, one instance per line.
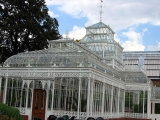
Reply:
x=97 y=97
x=157 y=108
x=15 y=94
x=107 y=98
x=66 y=93
x=136 y=101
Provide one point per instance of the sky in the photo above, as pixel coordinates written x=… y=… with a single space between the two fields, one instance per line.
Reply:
x=136 y=23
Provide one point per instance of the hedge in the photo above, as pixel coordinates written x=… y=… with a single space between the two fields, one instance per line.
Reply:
x=10 y=112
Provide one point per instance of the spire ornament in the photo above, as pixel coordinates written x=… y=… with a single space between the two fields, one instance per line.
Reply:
x=101 y=12
x=67 y=33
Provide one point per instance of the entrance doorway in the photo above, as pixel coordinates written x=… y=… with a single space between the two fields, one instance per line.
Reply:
x=39 y=104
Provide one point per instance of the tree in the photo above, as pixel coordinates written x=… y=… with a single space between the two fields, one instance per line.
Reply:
x=25 y=25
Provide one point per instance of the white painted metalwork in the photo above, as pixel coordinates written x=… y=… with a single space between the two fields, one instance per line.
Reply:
x=135 y=115
x=101 y=12
x=80 y=79
x=99 y=38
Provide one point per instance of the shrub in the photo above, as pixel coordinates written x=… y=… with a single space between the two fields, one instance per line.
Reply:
x=8 y=111
x=5 y=117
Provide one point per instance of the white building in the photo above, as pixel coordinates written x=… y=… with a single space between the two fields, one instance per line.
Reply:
x=82 y=79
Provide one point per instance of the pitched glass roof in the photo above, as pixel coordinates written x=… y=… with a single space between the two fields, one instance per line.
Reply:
x=95 y=50
x=49 y=57
x=99 y=25
x=99 y=39
x=70 y=55
x=135 y=77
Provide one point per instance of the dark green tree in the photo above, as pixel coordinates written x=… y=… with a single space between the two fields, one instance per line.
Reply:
x=25 y=25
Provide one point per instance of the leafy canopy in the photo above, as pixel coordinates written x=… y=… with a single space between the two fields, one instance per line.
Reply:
x=25 y=25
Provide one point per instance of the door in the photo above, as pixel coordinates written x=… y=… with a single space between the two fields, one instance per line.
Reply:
x=39 y=103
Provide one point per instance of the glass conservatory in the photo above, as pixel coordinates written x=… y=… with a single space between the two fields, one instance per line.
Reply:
x=82 y=79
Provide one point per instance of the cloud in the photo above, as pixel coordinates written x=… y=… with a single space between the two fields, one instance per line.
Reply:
x=76 y=33
x=52 y=14
x=134 y=40
x=132 y=46
x=118 y=14
x=154 y=48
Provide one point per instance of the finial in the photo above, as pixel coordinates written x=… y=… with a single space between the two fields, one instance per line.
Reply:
x=67 y=34
x=101 y=12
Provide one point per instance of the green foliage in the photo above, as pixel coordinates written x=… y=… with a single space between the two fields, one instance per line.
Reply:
x=83 y=104
x=78 y=40
x=25 y=25
x=138 y=108
x=133 y=107
x=9 y=111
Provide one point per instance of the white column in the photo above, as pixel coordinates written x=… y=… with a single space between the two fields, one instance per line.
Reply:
x=27 y=97
x=91 y=100
x=32 y=91
x=11 y=92
x=21 y=96
x=79 y=97
x=59 y=97
x=123 y=106
x=5 y=90
x=72 y=94
x=118 y=101
x=47 y=91
x=149 y=104
x=103 y=99
x=88 y=96
x=52 y=97
x=66 y=95
x=113 y=64
x=111 y=101
x=143 y=101
x=153 y=108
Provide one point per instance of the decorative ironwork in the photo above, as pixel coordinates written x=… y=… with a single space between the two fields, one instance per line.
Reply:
x=21 y=110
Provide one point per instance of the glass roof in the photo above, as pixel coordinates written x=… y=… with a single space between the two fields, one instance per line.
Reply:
x=99 y=39
x=64 y=54
x=135 y=77
x=49 y=57
x=99 y=25
x=99 y=32
x=97 y=49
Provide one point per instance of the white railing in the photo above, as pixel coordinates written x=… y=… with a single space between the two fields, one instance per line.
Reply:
x=83 y=115
x=135 y=115
x=21 y=110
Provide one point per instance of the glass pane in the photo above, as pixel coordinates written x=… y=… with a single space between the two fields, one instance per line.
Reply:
x=29 y=98
x=42 y=104
x=36 y=103
x=157 y=108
